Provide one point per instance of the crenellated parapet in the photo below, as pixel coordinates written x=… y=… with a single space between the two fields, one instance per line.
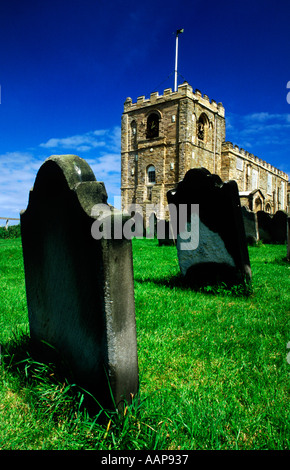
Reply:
x=242 y=153
x=168 y=95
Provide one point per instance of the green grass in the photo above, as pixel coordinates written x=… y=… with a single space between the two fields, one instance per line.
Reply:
x=212 y=364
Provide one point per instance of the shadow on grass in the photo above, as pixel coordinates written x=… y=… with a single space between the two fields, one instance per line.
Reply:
x=280 y=261
x=50 y=385
x=213 y=285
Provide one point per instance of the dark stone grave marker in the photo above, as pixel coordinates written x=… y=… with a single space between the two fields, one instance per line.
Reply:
x=80 y=292
x=165 y=234
x=221 y=254
x=272 y=228
x=251 y=225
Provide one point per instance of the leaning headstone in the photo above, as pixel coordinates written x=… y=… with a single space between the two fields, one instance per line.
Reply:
x=221 y=253
x=251 y=225
x=79 y=289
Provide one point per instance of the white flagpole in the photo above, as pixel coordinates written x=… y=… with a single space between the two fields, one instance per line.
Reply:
x=176 y=57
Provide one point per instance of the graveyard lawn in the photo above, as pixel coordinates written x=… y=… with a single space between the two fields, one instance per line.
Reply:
x=213 y=364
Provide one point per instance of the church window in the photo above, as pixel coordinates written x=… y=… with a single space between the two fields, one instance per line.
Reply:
x=202 y=125
x=152 y=126
x=151 y=176
x=134 y=127
x=133 y=134
x=254 y=179
x=240 y=164
x=258 y=204
x=282 y=194
x=269 y=184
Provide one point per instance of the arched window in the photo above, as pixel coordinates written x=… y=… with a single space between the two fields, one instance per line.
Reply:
x=151 y=176
x=152 y=126
x=258 y=204
x=133 y=127
x=133 y=134
x=202 y=127
x=268 y=208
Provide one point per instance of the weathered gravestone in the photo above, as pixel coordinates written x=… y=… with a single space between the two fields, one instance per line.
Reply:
x=79 y=290
x=251 y=225
x=221 y=254
x=272 y=228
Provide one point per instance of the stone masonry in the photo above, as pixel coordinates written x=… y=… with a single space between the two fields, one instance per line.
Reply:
x=165 y=136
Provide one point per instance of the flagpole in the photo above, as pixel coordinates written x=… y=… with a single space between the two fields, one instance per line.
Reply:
x=176 y=57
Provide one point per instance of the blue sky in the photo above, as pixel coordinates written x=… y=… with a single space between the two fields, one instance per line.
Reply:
x=67 y=67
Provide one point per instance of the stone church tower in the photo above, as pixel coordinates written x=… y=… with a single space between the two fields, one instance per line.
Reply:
x=164 y=136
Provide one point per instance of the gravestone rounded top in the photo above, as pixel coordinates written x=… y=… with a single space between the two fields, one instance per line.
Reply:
x=221 y=251
x=60 y=174
x=75 y=169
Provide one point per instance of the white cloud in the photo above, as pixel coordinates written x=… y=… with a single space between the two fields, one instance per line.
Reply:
x=17 y=175
x=107 y=168
x=18 y=169
x=258 y=129
x=264 y=134
x=265 y=116
x=103 y=154
x=109 y=138
x=75 y=141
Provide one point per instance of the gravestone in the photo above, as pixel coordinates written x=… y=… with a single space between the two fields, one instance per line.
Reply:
x=251 y=225
x=80 y=291
x=272 y=228
x=221 y=253
x=279 y=227
x=164 y=233
x=264 y=226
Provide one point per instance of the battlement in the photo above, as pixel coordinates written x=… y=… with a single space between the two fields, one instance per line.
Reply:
x=168 y=95
x=242 y=153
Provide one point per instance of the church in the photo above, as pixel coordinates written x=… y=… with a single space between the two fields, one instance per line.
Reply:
x=164 y=136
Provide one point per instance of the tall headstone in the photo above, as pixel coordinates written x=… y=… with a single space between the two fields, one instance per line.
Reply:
x=264 y=226
x=251 y=225
x=279 y=227
x=80 y=292
x=221 y=253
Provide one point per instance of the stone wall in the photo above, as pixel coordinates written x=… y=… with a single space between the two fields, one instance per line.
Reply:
x=252 y=173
